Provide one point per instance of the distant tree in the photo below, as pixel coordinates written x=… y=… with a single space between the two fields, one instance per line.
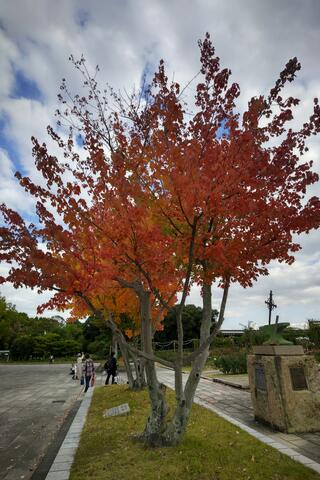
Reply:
x=46 y=345
x=12 y=324
x=191 y=320
x=43 y=325
x=22 y=348
x=74 y=331
x=68 y=348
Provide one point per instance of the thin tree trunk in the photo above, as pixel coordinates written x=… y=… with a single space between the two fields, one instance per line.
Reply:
x=176 y=428
x=114 y=344
x=126 y=359
x=156 y=422
x=138 y=382
x=139 y=370
x=178 y=424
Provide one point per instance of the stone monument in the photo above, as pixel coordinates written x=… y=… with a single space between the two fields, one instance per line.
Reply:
x=284 y=384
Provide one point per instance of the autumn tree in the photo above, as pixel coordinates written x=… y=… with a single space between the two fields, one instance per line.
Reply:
x=161 y=200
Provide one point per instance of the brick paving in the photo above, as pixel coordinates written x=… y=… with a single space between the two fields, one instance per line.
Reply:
x=34 y=402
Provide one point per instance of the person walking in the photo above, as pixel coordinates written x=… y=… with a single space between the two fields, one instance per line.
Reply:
x=88 y=370
x=111 y=367
x=79 y=368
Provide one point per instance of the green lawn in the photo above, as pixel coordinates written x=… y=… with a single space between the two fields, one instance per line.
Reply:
x=212 y=449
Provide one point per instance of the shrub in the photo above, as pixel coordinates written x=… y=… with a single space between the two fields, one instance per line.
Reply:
x=232 y=364
x=317 y=356
x=171 y=355
x=314 y=334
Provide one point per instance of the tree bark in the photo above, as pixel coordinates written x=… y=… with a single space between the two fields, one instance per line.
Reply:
x=137 y=382
x=155 y=426
x=178 y=424
x=126 y=359
x=176 y=428
x=139 y=370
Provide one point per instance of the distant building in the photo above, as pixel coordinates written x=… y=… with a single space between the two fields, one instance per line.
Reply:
x=59 y=319
x=5 y=354
x=231 y=333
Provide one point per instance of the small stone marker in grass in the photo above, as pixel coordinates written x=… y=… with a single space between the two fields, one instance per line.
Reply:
x=119 y=410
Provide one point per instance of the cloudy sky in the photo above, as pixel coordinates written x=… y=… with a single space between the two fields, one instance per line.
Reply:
x=255 y=38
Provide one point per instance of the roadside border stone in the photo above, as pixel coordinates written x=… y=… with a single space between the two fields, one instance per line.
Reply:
x=60 y=469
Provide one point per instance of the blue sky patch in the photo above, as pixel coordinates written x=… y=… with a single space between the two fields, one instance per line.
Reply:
x=223 y=130
x=79 y=140
x=82 y=17
x=146 y=78
x=8 y=145
x=25 y=87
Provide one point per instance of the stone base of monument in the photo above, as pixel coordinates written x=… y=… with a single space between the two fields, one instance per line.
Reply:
x=285 y=388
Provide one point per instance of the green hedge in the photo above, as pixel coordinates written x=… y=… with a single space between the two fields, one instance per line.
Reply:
x=170 y=355
x=232 y=364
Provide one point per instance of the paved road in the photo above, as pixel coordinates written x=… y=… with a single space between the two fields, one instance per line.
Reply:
x=34 y=401
x=237 y=404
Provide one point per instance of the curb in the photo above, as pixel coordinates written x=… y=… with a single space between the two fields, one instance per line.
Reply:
x=60 y=469
x=229 y=384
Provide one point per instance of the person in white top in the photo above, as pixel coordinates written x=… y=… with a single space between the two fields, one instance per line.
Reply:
x=79 y=367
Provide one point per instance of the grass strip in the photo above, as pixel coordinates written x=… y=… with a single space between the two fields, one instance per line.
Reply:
x=212 y=449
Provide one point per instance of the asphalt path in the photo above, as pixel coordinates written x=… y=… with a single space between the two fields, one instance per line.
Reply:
x=34 y=402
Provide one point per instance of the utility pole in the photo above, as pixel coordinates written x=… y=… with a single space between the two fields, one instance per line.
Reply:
x=271 y=305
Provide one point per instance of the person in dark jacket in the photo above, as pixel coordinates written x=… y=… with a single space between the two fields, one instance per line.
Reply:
x=111 y=367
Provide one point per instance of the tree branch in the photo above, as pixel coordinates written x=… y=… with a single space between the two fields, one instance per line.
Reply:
x=216 y=328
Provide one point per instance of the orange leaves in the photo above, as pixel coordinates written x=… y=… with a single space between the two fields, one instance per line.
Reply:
x=166 y=194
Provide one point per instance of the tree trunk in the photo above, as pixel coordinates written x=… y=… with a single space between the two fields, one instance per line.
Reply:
x=178 y=424
x=126 y=359
x=139 y=370
x=156 y=423
x=134 y=383
x=114 y=344
x=137 y=382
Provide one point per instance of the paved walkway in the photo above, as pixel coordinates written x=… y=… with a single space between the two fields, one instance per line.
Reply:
x=34 y=402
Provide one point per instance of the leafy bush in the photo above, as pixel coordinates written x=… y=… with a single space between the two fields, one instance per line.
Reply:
x=221 y=341
x=314 y=334
x=232 y=364
x=317 y=356
x=170 y=355
x=251 y=337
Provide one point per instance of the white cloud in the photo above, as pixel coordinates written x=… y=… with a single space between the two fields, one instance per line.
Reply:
x=25 y=299
x=8 y=54
x=255 y=39
x=10 y=192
